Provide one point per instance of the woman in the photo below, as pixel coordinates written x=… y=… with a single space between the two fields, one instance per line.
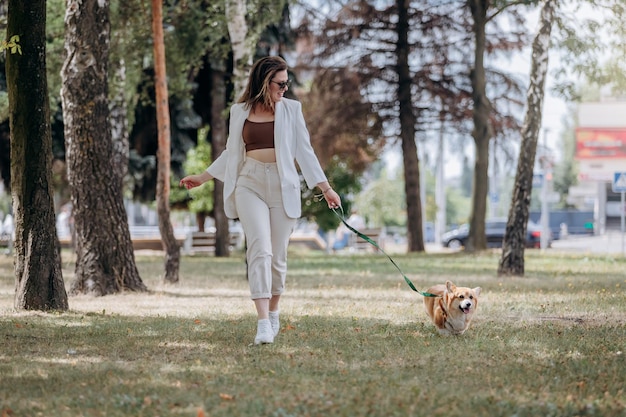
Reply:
x=267 y=135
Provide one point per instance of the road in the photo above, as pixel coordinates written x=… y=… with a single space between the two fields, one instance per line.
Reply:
x=611 y=242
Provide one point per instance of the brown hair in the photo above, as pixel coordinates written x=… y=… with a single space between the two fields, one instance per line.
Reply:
x=258 y=88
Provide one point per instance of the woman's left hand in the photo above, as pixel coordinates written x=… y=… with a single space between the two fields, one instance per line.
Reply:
x=333 y=199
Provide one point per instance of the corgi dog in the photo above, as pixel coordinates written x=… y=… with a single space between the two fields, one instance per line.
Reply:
x=452 y=310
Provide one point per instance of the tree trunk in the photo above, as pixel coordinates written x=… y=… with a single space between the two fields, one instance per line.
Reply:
x=512 y=260
x=218 y=144
x=119 y=122
x=482 y=132
x=38 y=275
x=170 y=245
x=241 y=47
x=407 y=135
x=200 y=219
x=105 y=262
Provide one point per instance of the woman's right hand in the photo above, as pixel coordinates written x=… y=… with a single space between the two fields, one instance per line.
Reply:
x=192 y=181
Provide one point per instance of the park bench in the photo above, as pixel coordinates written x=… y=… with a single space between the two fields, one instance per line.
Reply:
x=307 y=239
x=357 y=244
x=204 y=242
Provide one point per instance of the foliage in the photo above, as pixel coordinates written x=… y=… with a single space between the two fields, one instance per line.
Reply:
x=590 y=36
x=4 y=106
x=55 y=54
x=440 y=60
x=457 y=202
x=458 y=206
x=193 y=29
x=344 y=181
x=198 y=159
x=566 y=170
x=355 y=341
x=12 y=45
x=5 y=204
x=342 y=124
x=382 y=203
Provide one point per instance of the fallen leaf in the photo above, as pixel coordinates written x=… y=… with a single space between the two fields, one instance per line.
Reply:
x=226 y=397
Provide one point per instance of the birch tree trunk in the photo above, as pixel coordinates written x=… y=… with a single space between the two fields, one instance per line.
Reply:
x=242 y=48
x=38 y=275
x=170 y=245
x=407 y=134
x=242 y=52
x=105 y=261
x=512 y=259
x=119 y=122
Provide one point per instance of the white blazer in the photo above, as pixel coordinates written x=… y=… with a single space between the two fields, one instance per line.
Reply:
x=291 y=142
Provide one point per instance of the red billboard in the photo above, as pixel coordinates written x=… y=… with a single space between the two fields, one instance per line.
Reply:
x=592 y=143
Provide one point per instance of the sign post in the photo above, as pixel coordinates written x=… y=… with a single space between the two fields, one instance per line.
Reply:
x=619 y=186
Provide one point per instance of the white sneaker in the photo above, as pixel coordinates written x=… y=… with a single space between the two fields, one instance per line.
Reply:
x=264 y=332
x=274 y=320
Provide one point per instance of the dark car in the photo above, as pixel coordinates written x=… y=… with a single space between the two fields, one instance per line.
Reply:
x=494 y=231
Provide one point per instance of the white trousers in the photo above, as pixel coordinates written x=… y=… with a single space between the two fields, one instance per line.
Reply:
x=266 y=226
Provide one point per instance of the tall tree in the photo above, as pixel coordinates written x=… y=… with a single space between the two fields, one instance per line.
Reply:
x=482 y=131
x=171 y=246
x=407 y=132
x=512 y=259
x=406 y=53
x=105 y=261
x=243 y=36
x=38 y=275
x=485 y=121
x=242 y=47
x=218 y=134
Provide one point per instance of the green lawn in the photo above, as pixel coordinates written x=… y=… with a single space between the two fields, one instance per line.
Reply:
x=355 y=341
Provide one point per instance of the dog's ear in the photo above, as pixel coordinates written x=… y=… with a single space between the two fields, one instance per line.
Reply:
x=450 y=286
x=477 y=291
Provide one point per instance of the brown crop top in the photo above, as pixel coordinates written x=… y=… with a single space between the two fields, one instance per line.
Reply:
x=258 y=135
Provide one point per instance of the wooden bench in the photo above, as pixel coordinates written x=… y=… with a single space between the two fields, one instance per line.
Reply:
x=139 y=243
x=358 y=244
x=308 y=240
x=204 y=242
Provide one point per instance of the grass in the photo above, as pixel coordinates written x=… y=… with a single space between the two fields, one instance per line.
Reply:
x=355 y=341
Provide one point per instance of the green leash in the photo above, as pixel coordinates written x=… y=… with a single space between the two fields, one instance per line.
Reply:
x=370 y=241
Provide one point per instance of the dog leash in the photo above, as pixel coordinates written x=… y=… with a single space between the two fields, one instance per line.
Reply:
x=371 y=242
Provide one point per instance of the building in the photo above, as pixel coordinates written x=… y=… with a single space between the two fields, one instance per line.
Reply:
x=600 y=152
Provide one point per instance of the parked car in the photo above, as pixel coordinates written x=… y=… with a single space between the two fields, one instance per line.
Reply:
x=494 y=231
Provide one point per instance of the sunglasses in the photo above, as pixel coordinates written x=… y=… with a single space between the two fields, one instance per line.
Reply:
x=282 y=85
